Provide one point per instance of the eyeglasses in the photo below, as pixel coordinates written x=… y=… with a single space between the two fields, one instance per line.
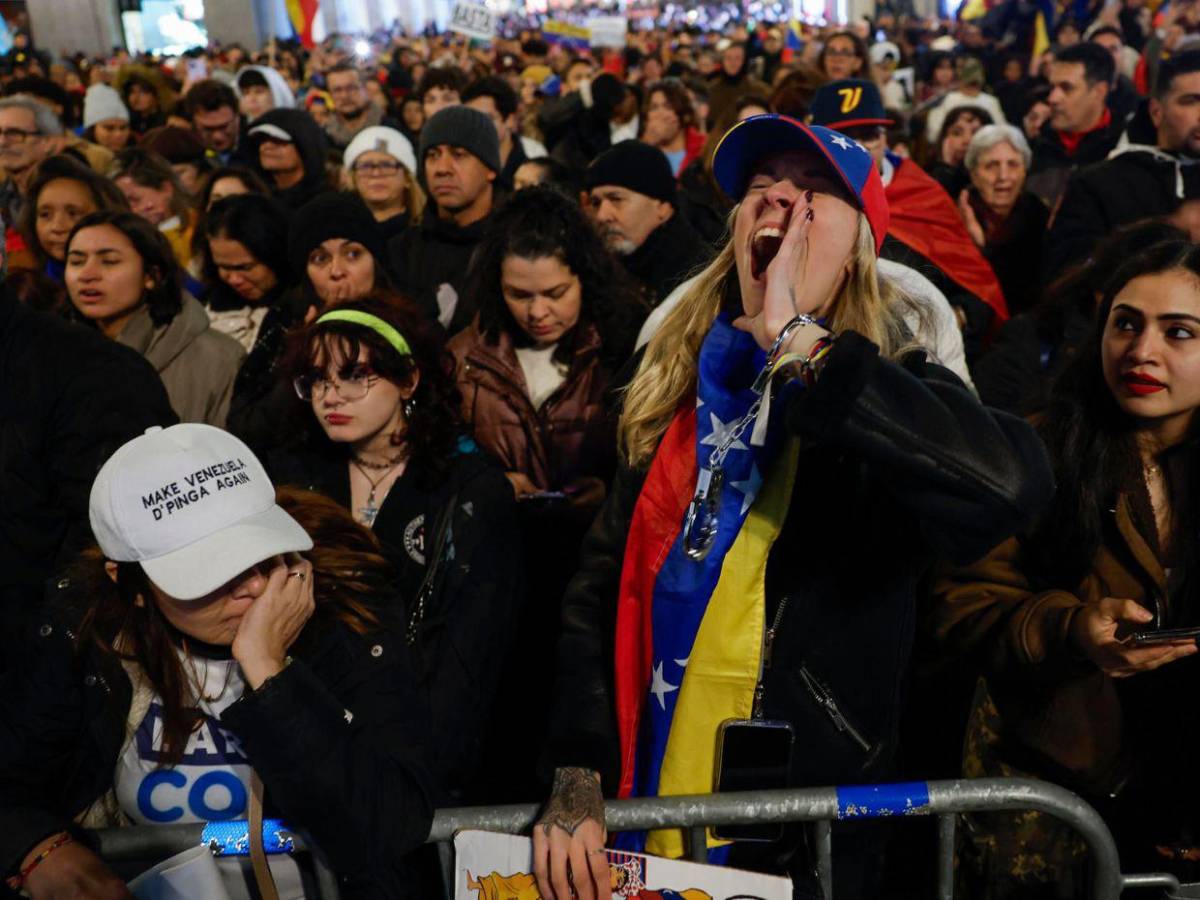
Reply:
x=352 y=387
x=16 y=135
x=376 y=168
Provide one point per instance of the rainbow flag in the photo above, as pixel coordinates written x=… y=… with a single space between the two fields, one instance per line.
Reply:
x=689 y=632
x=302 y=13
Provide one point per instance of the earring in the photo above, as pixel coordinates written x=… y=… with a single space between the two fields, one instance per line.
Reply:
x=408 y=406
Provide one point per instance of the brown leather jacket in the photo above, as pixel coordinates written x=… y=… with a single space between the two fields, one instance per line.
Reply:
x=573 y=434
x=1061 y=717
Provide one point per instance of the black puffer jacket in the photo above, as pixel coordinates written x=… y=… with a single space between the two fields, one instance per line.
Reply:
x=901 y=465
x=670 y=254
x=1138 y=183
x=431 y=262
x=68 y=398
x=357 y=782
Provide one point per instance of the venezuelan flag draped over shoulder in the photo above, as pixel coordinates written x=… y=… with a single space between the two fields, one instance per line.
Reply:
x=689 y=632
x=302 y=13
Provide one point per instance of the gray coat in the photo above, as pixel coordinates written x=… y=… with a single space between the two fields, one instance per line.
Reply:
x=197 y=364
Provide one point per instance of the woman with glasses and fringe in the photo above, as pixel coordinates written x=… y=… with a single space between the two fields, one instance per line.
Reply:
x=384 y=439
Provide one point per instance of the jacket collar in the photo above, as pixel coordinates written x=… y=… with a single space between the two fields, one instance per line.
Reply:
x=501 y=357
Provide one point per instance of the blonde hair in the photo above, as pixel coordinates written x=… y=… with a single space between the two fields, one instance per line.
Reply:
x=667 y=374
x=414 y=197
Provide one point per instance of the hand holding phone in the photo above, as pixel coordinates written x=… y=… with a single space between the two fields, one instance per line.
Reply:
x=1101 y=631
x=1157 y=636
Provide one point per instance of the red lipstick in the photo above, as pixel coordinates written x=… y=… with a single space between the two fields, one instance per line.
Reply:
x=337 y=419
x=1141 y=384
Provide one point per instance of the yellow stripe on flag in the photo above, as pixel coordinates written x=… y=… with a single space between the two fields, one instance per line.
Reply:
x=1041 y=39
x=721 y=673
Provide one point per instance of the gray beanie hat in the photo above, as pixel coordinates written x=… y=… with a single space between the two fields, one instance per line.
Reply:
x=462 y=126
x=102 y=103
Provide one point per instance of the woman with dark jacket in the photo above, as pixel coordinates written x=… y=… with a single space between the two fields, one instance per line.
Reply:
x=213 y=638
x=1004 y=220
x=250 y=297
x=730 y=514
x=337 y=249
x=1071 y=693
x=384 y=440
x=533 y=369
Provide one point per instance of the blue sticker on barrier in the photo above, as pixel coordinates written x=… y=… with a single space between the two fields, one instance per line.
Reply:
x=232 y=838
x=878 y=800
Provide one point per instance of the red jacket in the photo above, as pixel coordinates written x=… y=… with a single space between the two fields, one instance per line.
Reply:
x=693 y=147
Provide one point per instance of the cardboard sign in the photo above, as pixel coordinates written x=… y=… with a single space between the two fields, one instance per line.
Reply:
x=499 y=867
x=608 y=31
x=474 y=20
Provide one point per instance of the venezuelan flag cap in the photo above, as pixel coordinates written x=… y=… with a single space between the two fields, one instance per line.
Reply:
x=754 y=139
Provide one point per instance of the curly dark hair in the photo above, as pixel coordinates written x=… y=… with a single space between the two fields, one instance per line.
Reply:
x=677 y=98
x=433 y=429
x=539 y=222
x=105 y=195
x=164 y=299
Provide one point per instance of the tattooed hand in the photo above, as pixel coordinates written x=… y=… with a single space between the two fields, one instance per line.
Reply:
x=569 y=838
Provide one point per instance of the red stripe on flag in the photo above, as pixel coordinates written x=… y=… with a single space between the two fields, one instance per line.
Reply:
x=657 y=521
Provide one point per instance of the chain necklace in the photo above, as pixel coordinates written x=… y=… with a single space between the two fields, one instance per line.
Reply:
x=378 y=466
x=371 y=510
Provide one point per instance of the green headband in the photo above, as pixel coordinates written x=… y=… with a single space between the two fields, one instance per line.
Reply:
x=376 y=324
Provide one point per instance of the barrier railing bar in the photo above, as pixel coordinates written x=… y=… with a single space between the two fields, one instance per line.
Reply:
x=1153 y=879
x=934 y=798
x=823 y=836
x=947 y=826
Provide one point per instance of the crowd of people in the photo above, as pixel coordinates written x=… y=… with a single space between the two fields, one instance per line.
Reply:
x=458 y=424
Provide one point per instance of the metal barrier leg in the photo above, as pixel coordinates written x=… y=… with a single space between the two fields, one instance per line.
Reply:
x=823 y=833
x=446 y=859
x=698 y=844
x=945 y=856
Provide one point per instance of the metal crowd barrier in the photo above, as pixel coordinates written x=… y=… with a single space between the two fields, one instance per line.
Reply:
x=943 y=799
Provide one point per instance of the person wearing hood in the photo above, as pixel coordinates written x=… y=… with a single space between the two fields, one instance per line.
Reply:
x=732 y=82
x=632 y=200
x=290 y=153
x=1138 y=181
x=145 y=91
x=105 y=118
x=122 y=276
x=261 y=89
x=460 y=157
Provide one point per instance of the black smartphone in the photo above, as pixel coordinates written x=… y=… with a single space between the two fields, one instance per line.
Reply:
x=1164 y=636
x=752 y=755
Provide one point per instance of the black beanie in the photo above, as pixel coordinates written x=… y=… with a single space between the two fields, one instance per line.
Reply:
x=462 y=126
x=331 y=215
x=634 y=165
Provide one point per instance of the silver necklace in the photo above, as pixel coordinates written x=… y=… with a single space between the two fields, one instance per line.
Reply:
x=368 y=513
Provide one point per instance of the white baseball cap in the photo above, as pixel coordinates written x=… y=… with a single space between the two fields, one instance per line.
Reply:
x=193 y=505
x=385 y=140
x=884 y=50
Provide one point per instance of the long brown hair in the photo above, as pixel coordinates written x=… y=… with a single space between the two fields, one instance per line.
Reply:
x=350 y=577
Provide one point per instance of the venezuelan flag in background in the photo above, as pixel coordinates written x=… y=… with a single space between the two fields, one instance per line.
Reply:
x=302 y=13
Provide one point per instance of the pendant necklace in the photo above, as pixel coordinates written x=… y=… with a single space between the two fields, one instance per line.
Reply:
x=368 y=513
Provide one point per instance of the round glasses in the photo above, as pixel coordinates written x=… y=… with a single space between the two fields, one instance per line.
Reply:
x=352 y=387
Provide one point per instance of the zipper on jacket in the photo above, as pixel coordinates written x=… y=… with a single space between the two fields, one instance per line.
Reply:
x=825 y=699
x=768 y=648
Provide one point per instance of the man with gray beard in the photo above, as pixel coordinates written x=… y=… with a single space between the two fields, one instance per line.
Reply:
x=631 y=199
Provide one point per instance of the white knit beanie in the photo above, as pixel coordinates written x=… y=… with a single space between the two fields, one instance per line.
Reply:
x=385 y=140
x=101 y=103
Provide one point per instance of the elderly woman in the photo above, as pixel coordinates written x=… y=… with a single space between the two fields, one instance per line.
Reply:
x=1007 y=222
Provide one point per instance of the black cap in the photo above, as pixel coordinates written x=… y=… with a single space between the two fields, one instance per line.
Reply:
x=331 y=215
x=847 y=103
x=635 y=166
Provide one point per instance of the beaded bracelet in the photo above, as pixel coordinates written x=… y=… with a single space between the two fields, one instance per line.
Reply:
x=16 y=882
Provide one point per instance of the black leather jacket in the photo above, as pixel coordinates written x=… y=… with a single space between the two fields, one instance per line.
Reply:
x=900 y=465
x=357 y=782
